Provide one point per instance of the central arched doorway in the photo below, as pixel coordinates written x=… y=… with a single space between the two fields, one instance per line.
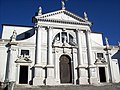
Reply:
x=65 y=69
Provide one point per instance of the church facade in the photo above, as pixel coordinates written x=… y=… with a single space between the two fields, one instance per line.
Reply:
x=59 y=49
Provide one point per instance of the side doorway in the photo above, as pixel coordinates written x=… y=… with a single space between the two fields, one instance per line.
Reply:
x=23 y=75
x=102 y=74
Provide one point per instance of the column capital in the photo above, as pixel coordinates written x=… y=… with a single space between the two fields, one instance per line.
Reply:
x=40 y=26
x=87 y=30
x=37 y=27
x=78 y=29
x=49 y=27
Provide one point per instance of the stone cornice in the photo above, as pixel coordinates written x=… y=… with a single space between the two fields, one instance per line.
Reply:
x=63 y=21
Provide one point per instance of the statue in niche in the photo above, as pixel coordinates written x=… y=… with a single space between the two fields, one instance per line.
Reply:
x=64 y=39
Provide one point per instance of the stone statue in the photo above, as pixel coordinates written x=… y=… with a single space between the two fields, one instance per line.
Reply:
x=14 y=34
x=40 y=11
x=63 y=4
x=85 y=16
x=13 y=37
x=106 y=42
x=119 y=45
x=65 y=39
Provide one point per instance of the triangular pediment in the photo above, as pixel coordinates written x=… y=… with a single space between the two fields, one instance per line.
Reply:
x=63 y=15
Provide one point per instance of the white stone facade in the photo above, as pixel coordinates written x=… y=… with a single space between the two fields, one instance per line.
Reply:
x=59 y=49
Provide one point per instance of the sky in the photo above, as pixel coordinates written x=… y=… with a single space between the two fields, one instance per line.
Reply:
x=104 y=14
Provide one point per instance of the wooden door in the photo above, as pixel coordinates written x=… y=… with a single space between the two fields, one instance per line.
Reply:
x=65 y=69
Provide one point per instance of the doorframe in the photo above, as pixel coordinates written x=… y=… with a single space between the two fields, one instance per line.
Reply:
x=18 y=72
x=27 y=73
x=106 y=73
x=72 y=67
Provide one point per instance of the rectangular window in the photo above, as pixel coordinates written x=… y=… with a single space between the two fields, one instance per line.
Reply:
x=24 y=52
x=100 y=55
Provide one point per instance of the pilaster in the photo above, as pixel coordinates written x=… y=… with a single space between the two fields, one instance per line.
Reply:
x=91 y=79
x=38 y=45
x=39 y=75
x=10 y=65
x=110 y=67
x=80 y=58
x=50 y=78
x=82 y=80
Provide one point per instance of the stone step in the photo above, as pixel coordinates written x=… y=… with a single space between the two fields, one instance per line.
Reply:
x=69 y=87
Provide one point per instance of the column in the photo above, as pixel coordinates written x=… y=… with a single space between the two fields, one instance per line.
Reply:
x=81 y=67
x=89 y=54
x=50 y=59
x=110 y=67
x=10 y=77
x=68 y=38
x=80 y=58
x=10 y=65
x=50 y=79
x=38 y=45
x=60 y=37
x=39 y=75
x=89 y=47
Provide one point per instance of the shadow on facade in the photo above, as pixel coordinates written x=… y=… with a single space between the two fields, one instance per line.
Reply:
x=25 y=35
x=117 y=56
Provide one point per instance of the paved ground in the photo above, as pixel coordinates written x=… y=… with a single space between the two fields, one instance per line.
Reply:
x=70 y=87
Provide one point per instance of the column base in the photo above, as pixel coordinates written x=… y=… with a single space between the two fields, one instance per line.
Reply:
x=93 y=80
x=83 y=80
x=51 y=81
x=39 y=78
x=38 y=81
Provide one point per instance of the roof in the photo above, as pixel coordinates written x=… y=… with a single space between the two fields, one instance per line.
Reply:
x=16 y=25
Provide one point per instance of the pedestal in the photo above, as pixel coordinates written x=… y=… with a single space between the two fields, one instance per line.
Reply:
x=50 y=80
x=92 y=75
x=93 y=80
x=83 y=75
x=83 y=81
x=39 y=78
